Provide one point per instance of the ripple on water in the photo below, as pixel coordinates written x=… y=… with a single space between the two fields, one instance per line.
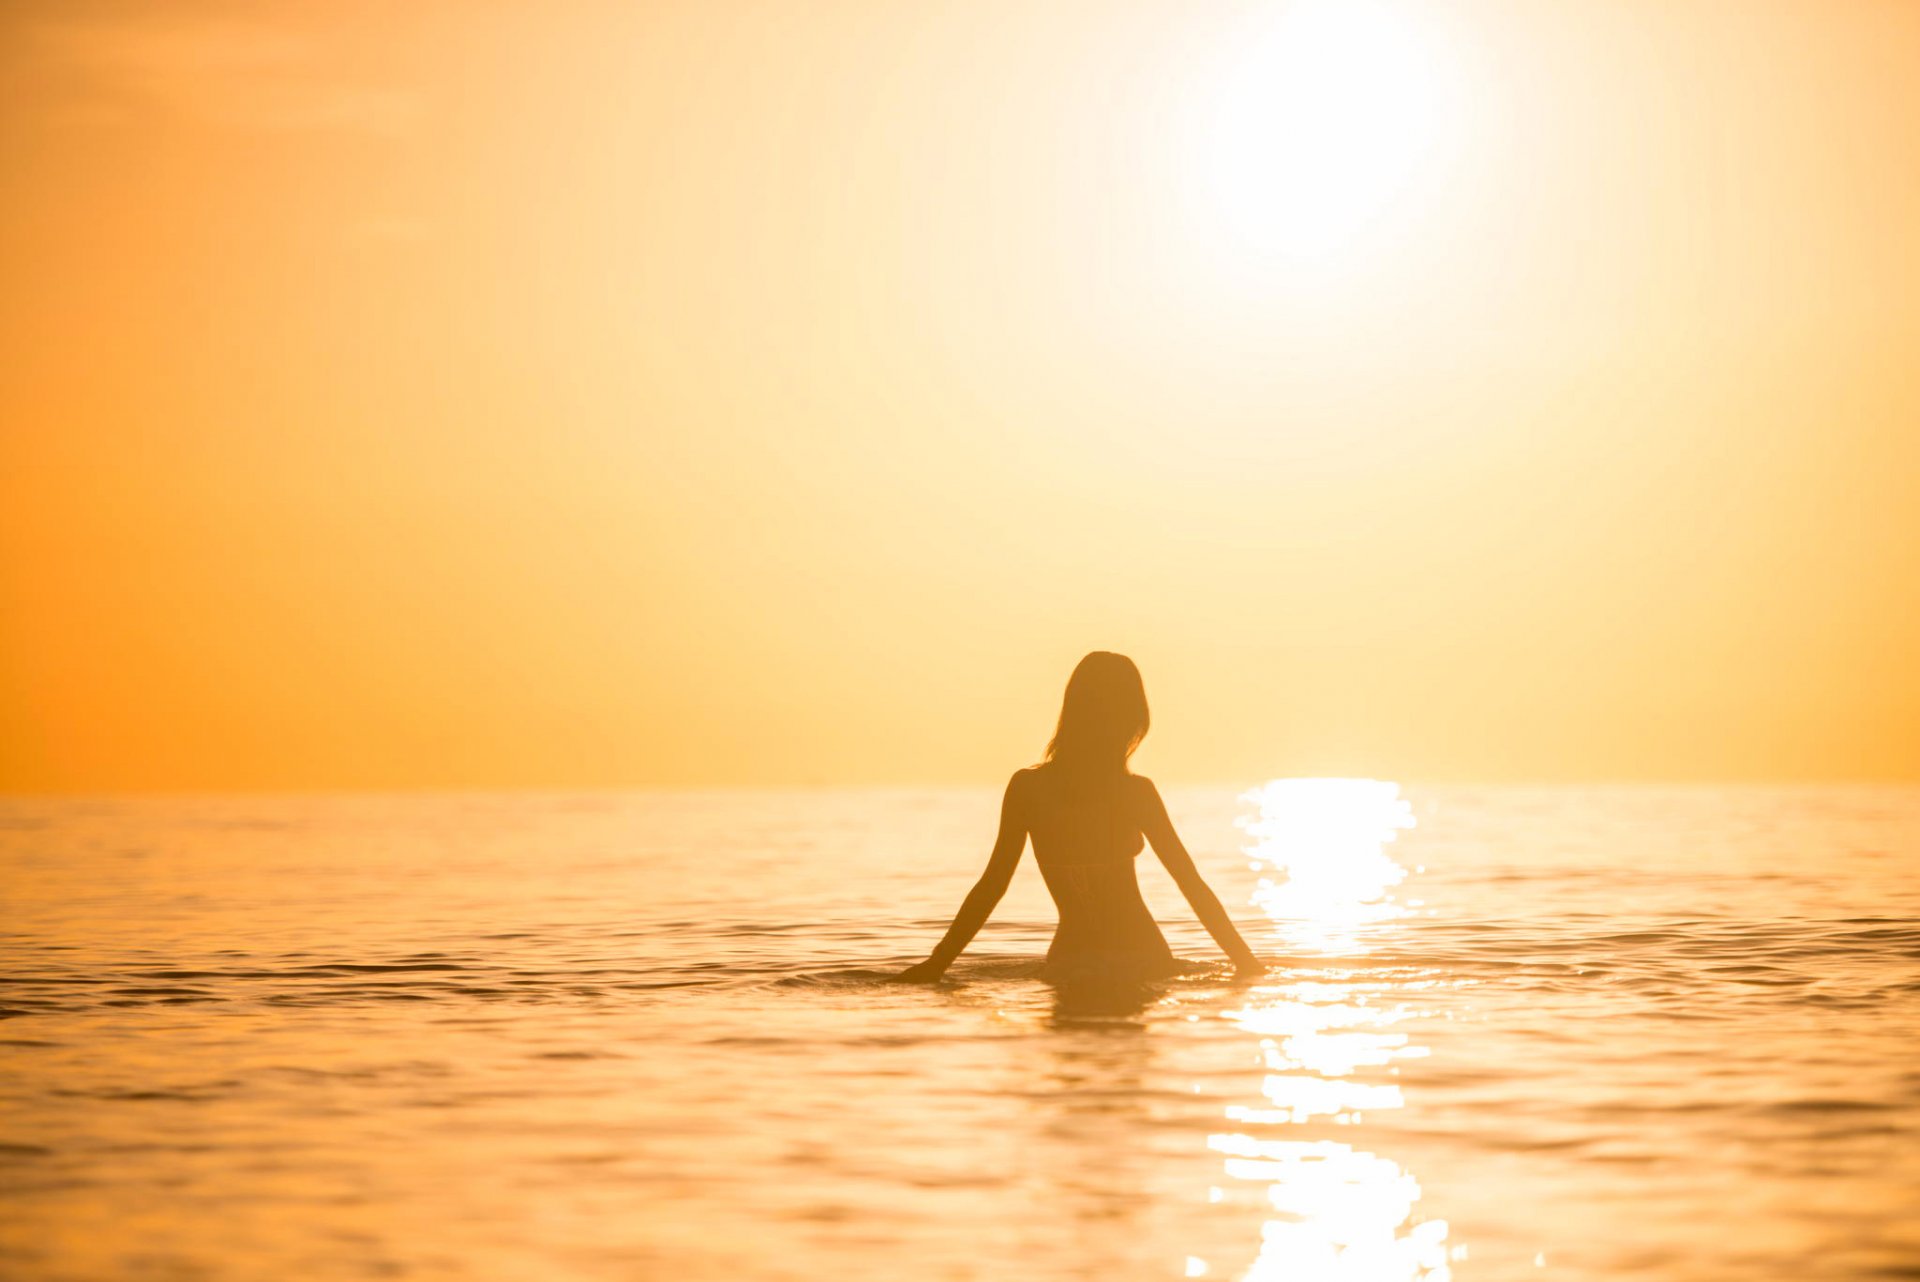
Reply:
x=506 y=1059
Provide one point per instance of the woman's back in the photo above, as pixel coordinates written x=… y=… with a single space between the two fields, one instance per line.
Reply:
x=1086 y=831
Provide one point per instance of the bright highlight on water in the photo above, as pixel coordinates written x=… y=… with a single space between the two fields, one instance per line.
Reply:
x=1327 y=841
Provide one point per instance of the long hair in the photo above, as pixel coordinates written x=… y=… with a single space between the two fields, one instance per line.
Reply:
x=1103 y=717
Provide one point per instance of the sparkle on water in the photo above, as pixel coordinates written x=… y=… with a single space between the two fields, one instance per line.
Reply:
x=1320 y=846
x=1340 y=1213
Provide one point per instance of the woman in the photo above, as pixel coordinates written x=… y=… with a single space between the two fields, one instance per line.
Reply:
x=1087 y=814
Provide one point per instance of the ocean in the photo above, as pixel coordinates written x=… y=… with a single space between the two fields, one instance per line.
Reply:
x=1512 y=1033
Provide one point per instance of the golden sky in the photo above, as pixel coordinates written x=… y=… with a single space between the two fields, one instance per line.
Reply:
x=589 y=394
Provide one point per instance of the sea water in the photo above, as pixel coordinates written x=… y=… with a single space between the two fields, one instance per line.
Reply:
x=1572 y=1033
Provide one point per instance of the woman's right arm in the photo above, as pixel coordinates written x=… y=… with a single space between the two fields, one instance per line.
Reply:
x=980 y=901
x=1158 y=827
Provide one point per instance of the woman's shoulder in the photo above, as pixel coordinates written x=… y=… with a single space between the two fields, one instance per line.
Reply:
x=1045 y=781
x=1025 y=790
x=1142 y=795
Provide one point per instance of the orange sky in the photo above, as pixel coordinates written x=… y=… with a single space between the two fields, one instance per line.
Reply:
x=597 y=394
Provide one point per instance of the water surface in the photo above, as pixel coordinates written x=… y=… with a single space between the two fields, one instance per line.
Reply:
x=1573 y=1033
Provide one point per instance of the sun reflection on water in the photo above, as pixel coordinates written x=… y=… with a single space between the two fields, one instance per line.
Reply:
x=1337 y=1211
x=1327 y=841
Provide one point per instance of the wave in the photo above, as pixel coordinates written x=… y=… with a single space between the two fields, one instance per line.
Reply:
x=1818 y=961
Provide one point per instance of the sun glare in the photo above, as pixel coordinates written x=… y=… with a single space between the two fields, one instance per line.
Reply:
x=1330 y=1046
x=1321 y=847
x=1323 y=126
x=1338 y=1211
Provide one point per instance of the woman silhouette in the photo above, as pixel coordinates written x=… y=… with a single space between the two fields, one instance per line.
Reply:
x=1087 y=814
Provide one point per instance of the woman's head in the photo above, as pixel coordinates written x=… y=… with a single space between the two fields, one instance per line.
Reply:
x=1104 y=716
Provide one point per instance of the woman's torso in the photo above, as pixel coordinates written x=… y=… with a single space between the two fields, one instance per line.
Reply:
x=1086 y=835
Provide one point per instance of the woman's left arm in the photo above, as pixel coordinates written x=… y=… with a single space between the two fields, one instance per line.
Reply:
x=1158 y=827
x=986 y=892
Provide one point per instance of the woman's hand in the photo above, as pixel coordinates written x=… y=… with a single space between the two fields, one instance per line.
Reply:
x=926 y=972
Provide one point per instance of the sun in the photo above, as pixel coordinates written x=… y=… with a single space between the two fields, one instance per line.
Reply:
x=1321 y=128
